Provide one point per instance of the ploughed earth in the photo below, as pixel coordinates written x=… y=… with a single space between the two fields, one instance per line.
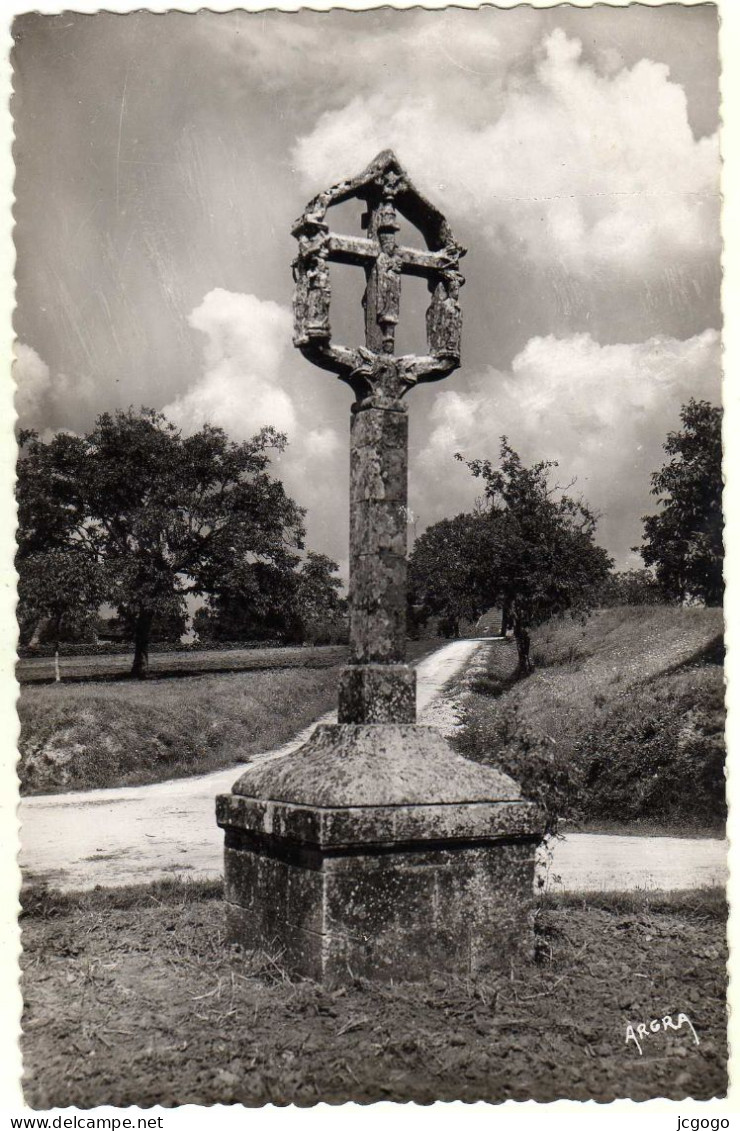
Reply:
x=133 y=997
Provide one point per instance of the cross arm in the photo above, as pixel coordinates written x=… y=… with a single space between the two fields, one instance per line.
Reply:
x=416 y=370
x=358 y=251
x=336 y=359
x=424 y=264
x=355 y=250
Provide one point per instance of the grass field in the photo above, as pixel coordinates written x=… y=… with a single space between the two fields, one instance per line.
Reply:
x=621 y=721
x=166 y=664
x=98 y=734
x=133 y=997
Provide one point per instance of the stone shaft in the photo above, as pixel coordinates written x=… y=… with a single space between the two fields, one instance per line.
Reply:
x=377 y=686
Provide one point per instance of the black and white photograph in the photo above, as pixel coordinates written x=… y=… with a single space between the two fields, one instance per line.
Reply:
x=370 y=557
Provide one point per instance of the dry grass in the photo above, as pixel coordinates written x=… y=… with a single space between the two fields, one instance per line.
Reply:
x=622 y=719
x=99 y=734
x=133 y=997
x=583 y=666
x=88 y=736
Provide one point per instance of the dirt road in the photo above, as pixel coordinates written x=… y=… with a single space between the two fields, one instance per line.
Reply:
x=596 y=862
x=137 y=834
x=141 y=833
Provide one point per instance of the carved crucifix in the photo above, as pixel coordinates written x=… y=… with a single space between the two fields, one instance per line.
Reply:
x=385 y=188
x=377 y=686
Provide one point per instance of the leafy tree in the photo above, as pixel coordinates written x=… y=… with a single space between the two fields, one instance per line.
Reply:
x=59 y=591
x=261 y=609
x=167 y=627
x=159 y=515
x=528 y=549
x=544 y=560
x=449 y=572
x=684 y=540
x=318 y=604
x=631 y=587
x=286 y=604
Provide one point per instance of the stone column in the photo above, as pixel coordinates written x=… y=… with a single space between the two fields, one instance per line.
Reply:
x=377 y=686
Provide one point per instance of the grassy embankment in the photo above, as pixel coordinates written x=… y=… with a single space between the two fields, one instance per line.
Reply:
x=622 y=720
x=100 y=733
x=133 y=997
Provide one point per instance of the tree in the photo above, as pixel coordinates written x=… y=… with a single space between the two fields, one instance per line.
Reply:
x=159 y=515
x=631 y=587
x=318 y=605
x=546 y=561
x=261 y=609
x=168 y=626
x=529 y=549
x=449 y=572
x=285 y=604
x=59 y=592
x=684 y=540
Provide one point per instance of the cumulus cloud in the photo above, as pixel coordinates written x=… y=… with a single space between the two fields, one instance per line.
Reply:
x=250 y=378
x=601 y=411
x=49 y=401
x=32 y=385
x=595 y=170
x=246 y=340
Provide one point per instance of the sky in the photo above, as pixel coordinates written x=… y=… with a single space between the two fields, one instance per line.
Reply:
x=161 y=160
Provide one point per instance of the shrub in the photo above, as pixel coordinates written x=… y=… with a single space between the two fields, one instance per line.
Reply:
x=624 y=721
x=545 y=772
x=659 y=751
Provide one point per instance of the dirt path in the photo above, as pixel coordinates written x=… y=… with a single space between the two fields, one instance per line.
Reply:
x=137 y=834
x=141 y=833
x=603 y=862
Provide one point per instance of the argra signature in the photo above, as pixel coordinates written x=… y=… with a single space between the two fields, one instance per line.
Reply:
x=655 y=1026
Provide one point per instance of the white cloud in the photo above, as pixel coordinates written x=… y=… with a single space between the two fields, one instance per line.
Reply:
x=33 y=382
x=596 y=171
x=46 y=401
x=322 y=442
x=251 y=377
x=246 y=342
x=601 y=411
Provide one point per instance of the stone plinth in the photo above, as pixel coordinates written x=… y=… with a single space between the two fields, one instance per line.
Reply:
x=339 y=863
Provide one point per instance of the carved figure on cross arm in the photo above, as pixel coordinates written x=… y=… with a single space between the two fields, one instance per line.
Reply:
x=444 y=316
x=300 y=294
x=318 y=296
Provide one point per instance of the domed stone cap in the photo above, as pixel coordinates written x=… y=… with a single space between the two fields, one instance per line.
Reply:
x=346 y=765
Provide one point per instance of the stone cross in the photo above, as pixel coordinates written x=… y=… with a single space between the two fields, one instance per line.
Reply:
x=377 y=686
x=375 y=849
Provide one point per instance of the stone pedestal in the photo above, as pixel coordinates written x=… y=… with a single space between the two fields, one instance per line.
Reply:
x=376 y=851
